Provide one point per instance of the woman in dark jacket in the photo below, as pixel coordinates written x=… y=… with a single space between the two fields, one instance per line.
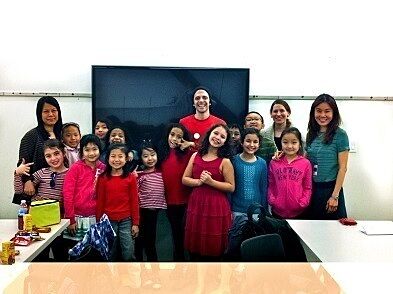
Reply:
x=31 y=152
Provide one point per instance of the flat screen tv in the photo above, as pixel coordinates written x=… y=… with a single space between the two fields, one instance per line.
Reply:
x=145 y=99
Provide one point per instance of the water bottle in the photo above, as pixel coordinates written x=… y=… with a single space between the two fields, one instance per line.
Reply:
x=21 y=212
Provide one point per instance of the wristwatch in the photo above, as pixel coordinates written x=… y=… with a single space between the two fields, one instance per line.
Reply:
x=335 y=197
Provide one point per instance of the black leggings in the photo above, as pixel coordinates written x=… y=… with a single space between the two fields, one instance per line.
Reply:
x=176 y=219
x=147 y=235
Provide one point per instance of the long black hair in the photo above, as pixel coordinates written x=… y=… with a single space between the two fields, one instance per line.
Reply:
x=41 y=126
x=224 y=151
x=127 y=168
x=313 y=126
x=164 y=148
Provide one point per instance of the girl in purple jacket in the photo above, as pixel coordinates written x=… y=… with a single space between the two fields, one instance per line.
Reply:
x=290 y=178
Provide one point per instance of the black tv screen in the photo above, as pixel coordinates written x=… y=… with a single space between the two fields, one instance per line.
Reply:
x=146 y=99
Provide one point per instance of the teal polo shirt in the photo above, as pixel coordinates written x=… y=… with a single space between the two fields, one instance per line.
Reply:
x=326 y=155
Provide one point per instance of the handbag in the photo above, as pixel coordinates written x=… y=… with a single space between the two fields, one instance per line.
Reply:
x=45 y=212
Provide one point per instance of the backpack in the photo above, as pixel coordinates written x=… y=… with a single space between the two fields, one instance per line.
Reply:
x=248 y=227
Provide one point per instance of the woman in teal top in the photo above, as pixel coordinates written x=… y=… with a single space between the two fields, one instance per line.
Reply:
x=327 y=149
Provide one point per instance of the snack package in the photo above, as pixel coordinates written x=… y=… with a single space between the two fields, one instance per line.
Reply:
x=22 y=240
x=7 y=255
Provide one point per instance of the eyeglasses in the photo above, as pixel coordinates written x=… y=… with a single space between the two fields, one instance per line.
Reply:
x=52 y=182
x=253 y=118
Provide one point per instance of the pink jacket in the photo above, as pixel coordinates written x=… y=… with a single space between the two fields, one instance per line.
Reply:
x=79 y=189
x=289 y=190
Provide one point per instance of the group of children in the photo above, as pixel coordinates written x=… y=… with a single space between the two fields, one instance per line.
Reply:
x=202 y=192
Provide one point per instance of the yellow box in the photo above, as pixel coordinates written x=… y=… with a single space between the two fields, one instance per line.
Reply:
x=27 y=222
x=8 y=252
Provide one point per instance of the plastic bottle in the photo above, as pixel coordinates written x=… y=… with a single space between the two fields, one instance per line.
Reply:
x=21 y=212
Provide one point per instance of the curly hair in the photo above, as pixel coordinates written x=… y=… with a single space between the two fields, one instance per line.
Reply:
x=164 y=148
x=224 y=150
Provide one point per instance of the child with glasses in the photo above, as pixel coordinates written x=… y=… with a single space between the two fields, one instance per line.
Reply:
x=267 y=148
x=48 y=182
x=71 y=136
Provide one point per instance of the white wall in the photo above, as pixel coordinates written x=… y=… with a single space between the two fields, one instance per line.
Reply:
x=368 y=185
x=291 y=47
x=17 y=116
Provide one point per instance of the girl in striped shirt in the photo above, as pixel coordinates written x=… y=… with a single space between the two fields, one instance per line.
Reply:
x=151 y=201
x=48 y=181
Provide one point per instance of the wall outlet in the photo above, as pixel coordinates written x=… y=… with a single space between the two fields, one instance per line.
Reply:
x=353 y=147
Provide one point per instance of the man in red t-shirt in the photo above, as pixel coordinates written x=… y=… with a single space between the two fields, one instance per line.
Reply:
x=200 y=122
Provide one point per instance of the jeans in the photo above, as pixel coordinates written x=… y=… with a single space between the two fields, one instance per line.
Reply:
x=123 y=241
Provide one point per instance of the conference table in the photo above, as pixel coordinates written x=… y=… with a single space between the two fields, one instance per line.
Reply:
x=358 y=262
x=330 y=241
x=8 y=228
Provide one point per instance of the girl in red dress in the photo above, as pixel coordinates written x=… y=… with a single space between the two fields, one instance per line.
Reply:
x=210 y=173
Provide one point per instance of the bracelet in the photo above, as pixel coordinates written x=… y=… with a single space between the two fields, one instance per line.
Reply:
x=334 y=197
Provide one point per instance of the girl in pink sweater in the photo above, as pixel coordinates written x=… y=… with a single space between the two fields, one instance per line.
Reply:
x=79 y=186
x=290 y=178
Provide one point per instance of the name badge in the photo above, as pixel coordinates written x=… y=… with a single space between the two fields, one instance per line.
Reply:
x=315 y=170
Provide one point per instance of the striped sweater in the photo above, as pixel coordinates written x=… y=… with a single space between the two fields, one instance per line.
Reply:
x=41 y=180
x=151 y=190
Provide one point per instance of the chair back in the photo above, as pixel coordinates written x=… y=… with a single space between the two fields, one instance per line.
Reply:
x=263 y=248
